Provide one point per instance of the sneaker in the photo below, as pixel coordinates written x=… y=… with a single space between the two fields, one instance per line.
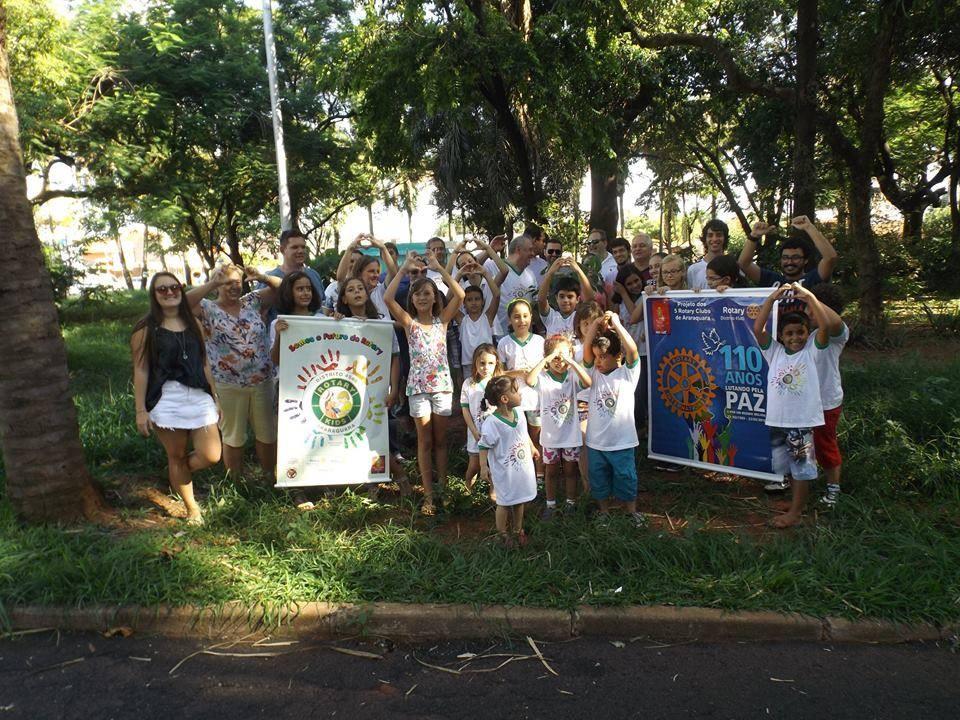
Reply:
x=548 y=513
x=639 y=519
x=667 y=467
x=603 y=519
x=777 y=486
x=830 y=498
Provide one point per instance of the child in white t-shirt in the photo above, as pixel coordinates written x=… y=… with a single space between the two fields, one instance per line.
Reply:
x=486 y=365
x=476 y=325
x=506 y=457
x=519 y=351
x=611 y=433
x=831 y=391
x=560 y=437
x=793 y=393
x=570 y=289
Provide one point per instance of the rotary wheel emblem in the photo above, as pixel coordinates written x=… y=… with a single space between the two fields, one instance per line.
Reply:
x=685 y=383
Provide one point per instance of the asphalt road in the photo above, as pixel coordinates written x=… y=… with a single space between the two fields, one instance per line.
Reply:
x=50 y=676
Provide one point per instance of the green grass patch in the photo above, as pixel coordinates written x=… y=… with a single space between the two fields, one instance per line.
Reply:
x=890 y=550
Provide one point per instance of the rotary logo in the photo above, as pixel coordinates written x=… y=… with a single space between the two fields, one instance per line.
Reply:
x=336 y=401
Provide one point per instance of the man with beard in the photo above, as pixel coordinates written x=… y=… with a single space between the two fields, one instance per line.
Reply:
x=794 y=256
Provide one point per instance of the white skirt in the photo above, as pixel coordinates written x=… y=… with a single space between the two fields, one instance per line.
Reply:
x=183 y=408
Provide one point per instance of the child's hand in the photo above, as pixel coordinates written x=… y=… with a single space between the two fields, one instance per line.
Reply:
x=534 y=452
x=485 y=473
x=801 y=291
x=391 y=399
x=620 y=290
x=722 y=288
x=613 y=320
x=476 y=435
x=283 y=325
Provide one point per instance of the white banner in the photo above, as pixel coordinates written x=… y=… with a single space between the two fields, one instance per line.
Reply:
x=334 y=376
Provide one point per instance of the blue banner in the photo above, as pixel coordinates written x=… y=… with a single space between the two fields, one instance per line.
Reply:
x=708 y=381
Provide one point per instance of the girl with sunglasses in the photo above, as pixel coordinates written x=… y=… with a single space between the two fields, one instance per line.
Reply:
x=173 y=387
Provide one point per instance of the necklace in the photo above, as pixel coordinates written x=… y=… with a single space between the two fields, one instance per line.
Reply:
x=182 y=342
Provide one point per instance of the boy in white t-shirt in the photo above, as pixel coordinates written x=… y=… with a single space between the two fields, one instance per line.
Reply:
x=570 y=290
x=831 y=391
x=794 y=407
x=611 y=432
x=560 y=436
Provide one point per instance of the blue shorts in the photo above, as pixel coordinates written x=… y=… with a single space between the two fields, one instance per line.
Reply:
x=613 y=472
x=792 y=453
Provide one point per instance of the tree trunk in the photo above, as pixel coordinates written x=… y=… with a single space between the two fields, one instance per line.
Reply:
x=143 y=257
x=115 y=231
x=913 y=227
x=867 y=256
x=953 y=259
x=804 y=127
x=187 y=274
x=47 y=477
x=603 y=198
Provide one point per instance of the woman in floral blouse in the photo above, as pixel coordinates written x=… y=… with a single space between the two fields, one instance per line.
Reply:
x=236 y=340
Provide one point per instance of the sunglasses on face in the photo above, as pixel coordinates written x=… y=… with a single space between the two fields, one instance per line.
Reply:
x=168 y=289
x=552 y=252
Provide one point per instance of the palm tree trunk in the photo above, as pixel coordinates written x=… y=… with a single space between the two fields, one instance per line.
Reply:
x=47 y=477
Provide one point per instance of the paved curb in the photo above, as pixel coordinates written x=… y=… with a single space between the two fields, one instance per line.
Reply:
x=445 y=622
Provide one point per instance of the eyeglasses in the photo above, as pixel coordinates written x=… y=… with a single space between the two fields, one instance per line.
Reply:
x=670 y=272
x=798 y=258
x=594 y=241
x=168 y=289
x=552 y=252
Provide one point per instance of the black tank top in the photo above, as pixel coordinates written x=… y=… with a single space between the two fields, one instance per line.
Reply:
x=176 y=356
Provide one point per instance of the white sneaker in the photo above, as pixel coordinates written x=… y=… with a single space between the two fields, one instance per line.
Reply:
x=777 y=486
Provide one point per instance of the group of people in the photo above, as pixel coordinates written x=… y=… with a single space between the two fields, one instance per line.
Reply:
x=545 y=353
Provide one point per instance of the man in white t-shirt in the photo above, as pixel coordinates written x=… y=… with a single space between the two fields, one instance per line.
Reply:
x=538 y=264
x=715 y=237
x=611 y=433
x=794 y=406
x=515 y=278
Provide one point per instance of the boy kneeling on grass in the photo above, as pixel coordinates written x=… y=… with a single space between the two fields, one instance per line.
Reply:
x=506 y=457
x=794 y=406
x=611 y=431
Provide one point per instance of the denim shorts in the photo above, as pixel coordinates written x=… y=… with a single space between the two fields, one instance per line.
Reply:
x=613 y=473
x=792 y=453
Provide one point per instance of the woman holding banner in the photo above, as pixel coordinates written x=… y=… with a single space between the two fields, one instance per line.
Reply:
x=240 y=360
x=172 y=387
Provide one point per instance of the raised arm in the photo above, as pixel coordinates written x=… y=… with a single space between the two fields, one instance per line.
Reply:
x=195 y=294
x=452 y=260
x=268 y=294
x=501 y=263
x=343 y=268
x=494 y=285
x=630 y=352
x=586 y=289
x=745 y=261
x=819 y=313
x=581 y=372
x=828 y=254
x=760 y=322
x=390 y=295
x=543 y=293
x=533 y=375
x=592 y=329
x=385 y=257
x=454 y=292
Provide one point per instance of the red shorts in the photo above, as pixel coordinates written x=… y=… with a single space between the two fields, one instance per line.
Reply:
x=825 y=440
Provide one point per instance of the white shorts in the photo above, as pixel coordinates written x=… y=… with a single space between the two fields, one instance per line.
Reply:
x=425 y=404
x=183 y=408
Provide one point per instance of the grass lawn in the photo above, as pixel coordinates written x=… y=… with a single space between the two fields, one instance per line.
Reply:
x=891 y=549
